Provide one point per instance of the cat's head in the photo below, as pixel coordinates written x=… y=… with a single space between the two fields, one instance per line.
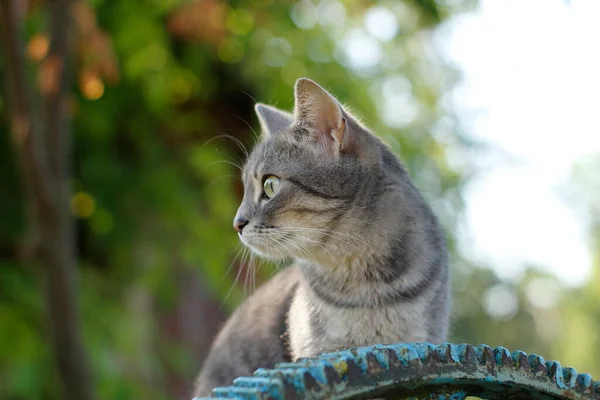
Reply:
x=311 y=181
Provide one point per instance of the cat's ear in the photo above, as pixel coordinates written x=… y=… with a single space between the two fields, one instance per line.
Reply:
x=272 y=120
x=322 y=115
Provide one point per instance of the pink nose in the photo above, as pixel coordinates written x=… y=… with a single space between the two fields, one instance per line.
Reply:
x=239 y=223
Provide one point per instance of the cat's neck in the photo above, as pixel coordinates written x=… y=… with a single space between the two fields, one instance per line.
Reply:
x=401 y=258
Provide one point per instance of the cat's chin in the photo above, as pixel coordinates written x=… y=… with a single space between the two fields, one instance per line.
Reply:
x=271 y=247
x=272 y=256
x=264 y=251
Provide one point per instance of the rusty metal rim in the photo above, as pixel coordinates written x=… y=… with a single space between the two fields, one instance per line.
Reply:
x=415 y=370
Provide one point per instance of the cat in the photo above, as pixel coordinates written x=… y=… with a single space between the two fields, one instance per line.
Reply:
x=370 y=259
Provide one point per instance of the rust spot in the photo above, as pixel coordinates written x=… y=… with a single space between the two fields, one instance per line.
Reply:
x=393 y=359
x=290 y=392
x=470 y=355
x=332 y=375
x=354 y=372
x=310 y=382
x=372 y=364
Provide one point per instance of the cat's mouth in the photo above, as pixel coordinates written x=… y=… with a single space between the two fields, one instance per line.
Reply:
x=269 y=245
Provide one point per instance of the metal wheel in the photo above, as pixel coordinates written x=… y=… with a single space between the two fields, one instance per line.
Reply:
x=416 y=371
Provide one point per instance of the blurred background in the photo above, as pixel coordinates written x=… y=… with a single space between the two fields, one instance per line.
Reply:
x=117 y=187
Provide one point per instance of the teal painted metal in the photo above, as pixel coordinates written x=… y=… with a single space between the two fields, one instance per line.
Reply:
x=415 y=371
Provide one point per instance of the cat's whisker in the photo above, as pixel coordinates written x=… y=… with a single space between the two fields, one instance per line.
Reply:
x=250 y=274
x=279 y=251
x=237 y=276
x=247 y=94
x=325 y=232
x=330 y=244
x=302 y=250
x=240 y=249
x=239 y=167
x=220 y=178
x=249 y=268
x=321 y=230
x=259 y=263
x=310 y=257
x=256 y=135
x=235 y=140
x=324 y=249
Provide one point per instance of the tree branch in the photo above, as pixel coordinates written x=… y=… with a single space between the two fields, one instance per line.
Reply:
x=56 y=106
x=27 y=133
x=44 y=152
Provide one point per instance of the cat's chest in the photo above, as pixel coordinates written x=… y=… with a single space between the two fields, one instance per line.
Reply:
x=316 y=328
x=358 y=327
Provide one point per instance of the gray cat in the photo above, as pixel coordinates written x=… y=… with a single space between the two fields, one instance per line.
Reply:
x=370 y=258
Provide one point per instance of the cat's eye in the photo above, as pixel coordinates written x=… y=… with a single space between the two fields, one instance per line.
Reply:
x=270 y=186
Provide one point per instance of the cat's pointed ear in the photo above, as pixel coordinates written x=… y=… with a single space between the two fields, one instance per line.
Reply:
x=272 y=120
x=322 y=115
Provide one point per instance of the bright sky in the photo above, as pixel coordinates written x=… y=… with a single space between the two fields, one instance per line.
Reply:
x=533 y=68
x=530 y=88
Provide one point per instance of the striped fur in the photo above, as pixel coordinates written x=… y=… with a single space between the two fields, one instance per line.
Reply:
x=370 y=258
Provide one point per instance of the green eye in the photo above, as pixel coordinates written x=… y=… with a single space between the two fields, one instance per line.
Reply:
x=271 y=184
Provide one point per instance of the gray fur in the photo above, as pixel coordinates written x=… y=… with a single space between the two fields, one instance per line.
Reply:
x=272 y=120
x=370 y=258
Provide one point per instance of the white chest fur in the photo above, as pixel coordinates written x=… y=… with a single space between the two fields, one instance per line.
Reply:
x=316 y=326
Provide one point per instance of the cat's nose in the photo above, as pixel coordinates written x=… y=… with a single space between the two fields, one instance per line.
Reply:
x=239 y=223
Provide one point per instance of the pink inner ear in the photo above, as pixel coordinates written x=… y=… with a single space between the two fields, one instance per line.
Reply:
x=322 y=115
x=329 y=137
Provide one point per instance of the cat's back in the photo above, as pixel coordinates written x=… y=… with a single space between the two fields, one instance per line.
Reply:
x=252 y=337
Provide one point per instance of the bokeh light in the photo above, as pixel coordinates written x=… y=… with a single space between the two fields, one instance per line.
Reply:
x=381 y=23
x=37 y=48
x=83 y=205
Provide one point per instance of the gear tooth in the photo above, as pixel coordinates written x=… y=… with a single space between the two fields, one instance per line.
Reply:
x=520 y=360
x=322 y=355
x=485 y=355
x=596 y=388
x=425 y=350
x=353 y=371
x=393 y=359
x=537 y=364
x=441 y=351
x=448 y=353
x=311 y=383
x=468 y=354
x=235 y=393
x=503 y=357
x=454 y=353
x=266 y=387
x=220 y=392
x=569 y=376
x=412 y=354
x=333 y=357
x=373 y=365
x=332 y=375
x=583 y=383
x=267 y=373
x=248 y=382
x=291 y=365
x=405 y=354
x=555 y=373
x=383 y=356
x=435 y=357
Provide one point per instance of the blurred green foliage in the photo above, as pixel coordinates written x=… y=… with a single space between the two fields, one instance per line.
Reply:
x=157 y=86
